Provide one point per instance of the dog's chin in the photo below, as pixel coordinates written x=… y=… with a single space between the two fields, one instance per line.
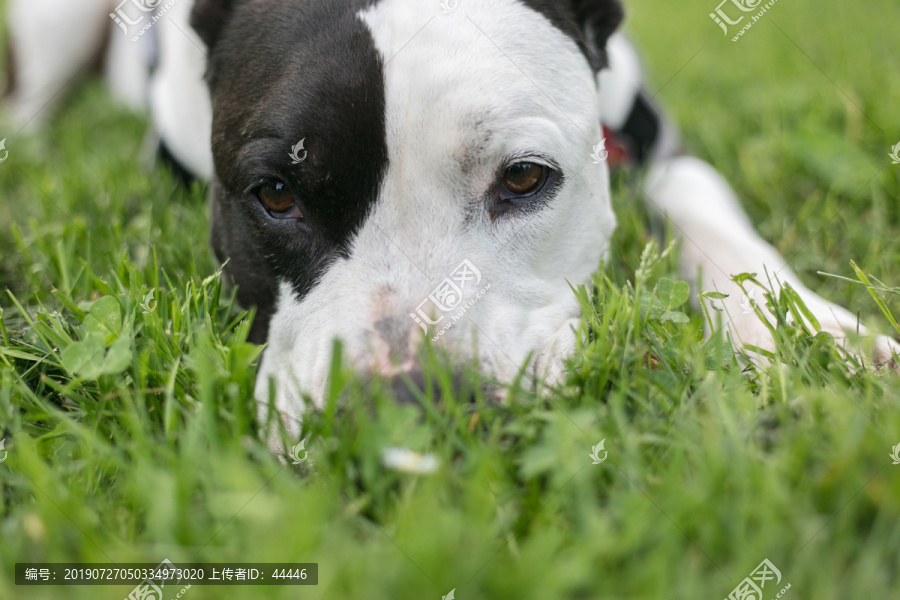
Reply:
x=293 y=381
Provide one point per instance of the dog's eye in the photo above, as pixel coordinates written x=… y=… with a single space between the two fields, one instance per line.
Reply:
x=524 y=179
x=279 y=200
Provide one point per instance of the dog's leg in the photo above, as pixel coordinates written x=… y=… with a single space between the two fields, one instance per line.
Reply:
x=718 y=240
x=51 y=41
x=179 y=98
x=127 y=68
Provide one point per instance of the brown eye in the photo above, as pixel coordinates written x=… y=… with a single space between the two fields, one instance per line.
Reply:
x=524 y=179
x=280 y=202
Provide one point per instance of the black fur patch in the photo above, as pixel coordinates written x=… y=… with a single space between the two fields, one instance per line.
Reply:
x=642 y=129
x=9 y=87
x=209 y=17
x=280 y=72
x=588 y=22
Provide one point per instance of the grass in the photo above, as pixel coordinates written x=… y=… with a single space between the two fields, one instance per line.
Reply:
x=132 y=436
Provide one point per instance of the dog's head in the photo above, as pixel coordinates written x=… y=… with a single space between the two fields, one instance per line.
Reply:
x=390 y=170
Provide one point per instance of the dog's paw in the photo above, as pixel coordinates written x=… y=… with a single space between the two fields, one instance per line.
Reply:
x=873 y=350
x=749 y=331
x=887 y=353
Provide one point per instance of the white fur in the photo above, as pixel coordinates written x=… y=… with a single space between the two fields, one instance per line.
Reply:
x=179 y=99
x=508 y=69
x=621 y=83
x=126 y=70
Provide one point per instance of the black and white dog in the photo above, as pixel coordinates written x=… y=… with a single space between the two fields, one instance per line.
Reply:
x=384 y=167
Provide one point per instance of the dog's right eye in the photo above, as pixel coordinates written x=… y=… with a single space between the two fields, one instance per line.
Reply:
x=278 y=200
x=524 y=179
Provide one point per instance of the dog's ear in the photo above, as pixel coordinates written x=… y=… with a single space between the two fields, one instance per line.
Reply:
x=598 y=20
x=209 y=18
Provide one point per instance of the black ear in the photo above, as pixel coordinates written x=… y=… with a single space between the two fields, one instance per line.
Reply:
x=598 y=19
x=209 y=18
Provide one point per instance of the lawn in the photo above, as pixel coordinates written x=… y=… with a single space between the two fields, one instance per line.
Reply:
x=131 y=433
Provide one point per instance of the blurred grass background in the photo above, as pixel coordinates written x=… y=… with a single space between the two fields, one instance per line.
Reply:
x=711 y=467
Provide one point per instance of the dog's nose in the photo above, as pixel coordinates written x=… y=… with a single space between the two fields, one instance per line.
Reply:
x=393 y=334
x=397 y=358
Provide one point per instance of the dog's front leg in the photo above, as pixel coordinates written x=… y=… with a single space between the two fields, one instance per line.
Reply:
x=719 y=242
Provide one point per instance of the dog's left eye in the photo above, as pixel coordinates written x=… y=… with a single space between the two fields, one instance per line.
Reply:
x=279 y=201
x=524 y=179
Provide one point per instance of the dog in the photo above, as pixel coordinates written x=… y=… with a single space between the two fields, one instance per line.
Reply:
x=386 y=171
